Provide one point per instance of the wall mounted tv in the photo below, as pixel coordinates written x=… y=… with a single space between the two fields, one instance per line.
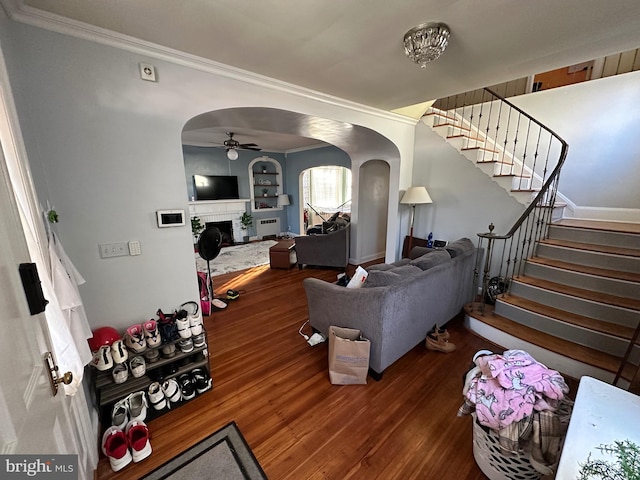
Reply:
x=215 y=187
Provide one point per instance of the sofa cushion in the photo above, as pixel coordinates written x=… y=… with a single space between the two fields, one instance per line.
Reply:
x=382 y=278
x=379 y=266
x=418 y=252
x=431 y=259
x=459 y=247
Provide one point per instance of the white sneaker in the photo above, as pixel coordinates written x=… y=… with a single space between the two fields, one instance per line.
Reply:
x=171 y=391
x=102 y=359
x=116 y=447
x=156 y=397
x=119 y=352
x=199 y=340
x=137 y=403
x=134 y=339
x=138 y=439
x=151 y=333
x=138 y=366
x=120 y=414
x=120 y=373
x=184 y=329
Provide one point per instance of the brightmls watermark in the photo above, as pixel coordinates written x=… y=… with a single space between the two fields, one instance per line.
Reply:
x=50 y=467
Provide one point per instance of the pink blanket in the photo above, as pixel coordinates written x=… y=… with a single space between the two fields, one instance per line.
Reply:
x=511 y=386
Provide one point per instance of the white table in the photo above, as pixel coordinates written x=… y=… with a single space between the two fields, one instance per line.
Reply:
x=602 y=414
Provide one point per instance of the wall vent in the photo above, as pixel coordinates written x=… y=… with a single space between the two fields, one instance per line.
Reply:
x=267 y=226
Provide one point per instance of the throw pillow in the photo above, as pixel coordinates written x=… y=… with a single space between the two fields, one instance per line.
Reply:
x=381 y=278
x=431 y=259
x=380 y=266
x=459 y=247
x=405 y=270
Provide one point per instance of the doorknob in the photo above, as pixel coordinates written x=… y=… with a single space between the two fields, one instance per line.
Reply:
x=54 y=376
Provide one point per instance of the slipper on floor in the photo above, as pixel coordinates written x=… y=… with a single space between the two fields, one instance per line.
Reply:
x=232 y=294
x=217 y=304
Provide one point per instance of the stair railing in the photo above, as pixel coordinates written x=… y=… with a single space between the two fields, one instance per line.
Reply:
x=530 y=153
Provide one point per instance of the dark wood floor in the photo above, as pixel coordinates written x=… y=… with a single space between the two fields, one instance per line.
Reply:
x=299 y=426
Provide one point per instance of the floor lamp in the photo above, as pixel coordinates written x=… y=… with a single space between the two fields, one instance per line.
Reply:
x=414 y=196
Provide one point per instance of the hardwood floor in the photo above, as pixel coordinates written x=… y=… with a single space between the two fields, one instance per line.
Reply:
x=298 y=425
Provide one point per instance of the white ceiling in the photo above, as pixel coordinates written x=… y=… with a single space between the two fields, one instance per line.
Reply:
x=353 y=49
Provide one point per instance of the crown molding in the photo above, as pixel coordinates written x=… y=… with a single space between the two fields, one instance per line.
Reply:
x=17 y=11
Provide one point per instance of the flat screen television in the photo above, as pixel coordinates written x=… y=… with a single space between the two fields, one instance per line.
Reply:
x=215 y=187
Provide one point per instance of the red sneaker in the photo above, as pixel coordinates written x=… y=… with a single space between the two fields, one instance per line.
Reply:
x=138 y=438
x=114 y=446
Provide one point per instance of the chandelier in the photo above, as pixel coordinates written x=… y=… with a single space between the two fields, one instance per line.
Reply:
x=426 y=42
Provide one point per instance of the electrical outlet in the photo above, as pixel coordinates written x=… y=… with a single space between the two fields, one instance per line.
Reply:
x=134 y=247
x=109 y=250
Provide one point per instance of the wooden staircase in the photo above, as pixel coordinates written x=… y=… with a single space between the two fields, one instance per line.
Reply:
x=576 y=305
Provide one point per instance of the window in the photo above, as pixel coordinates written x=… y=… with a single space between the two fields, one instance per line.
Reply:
x=326 y=190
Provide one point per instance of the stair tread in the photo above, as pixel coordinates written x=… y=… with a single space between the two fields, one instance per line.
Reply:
x=601 y=326
x=481 y=148
x=510 y=175
x=451 y=125
x=589 y=356
x=575 y=267
x=620 y=227
x=630 y=303
x=592 y=247
x=462 y=135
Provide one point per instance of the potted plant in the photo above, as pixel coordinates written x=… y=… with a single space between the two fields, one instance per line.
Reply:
x=246 y=222
x=196 y=228
x=265 y=192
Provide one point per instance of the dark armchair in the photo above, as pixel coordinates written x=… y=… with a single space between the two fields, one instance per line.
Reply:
x=324 y=250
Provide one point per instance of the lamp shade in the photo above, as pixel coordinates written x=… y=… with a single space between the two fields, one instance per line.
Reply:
x=283 y=199
x=416 y=195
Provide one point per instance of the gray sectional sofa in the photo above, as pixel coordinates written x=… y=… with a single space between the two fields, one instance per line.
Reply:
x=398 y=303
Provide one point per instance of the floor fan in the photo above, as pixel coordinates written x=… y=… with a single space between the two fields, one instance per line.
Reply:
x=209 y=245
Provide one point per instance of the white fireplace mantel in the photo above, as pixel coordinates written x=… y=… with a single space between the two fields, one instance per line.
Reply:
x=219 y=211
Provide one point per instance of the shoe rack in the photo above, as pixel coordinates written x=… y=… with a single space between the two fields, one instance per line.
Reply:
x=108 y=392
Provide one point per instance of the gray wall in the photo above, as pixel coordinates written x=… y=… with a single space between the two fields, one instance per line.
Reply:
x=104 y=148
x=465 y=200
x=600 y=120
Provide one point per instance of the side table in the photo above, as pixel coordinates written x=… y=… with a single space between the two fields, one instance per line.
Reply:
x=283 y=254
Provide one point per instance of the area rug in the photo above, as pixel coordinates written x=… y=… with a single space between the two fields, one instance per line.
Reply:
x=225 y=455
x=237 y=257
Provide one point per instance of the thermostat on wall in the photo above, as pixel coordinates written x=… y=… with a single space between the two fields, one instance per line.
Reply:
x=170 y=218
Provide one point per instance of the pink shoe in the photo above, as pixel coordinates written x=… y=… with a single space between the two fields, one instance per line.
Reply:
x=138 y=437
x=134 y=339
x=151 y=333
x=115 y=447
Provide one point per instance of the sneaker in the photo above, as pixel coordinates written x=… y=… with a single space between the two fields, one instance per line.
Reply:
x=119 y=352
x=138 y=366
x=134 y=339
x=137 y=403
x=137 y=435
x=184 y=329
x=120 y=414
x=195 y=322
x=152 y=355
x=187 y=386
x=120 y=373
x=169 y=350
x=433 y=342
x=151 y=333
x=102 y=359
x=439 y=332
x=202 y=379
x=171 y=391
x=186 y=345
x=116 y=448
x=156 y=397
x=199 y=340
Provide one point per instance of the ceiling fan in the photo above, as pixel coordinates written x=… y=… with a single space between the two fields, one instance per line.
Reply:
x=233 y=146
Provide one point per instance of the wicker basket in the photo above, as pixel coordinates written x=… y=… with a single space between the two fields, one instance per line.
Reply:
x=494 y=462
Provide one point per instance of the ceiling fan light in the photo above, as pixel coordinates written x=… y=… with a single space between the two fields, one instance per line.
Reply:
x=232 y=154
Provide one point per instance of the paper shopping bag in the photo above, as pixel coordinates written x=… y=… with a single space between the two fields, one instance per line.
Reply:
x=348 y=356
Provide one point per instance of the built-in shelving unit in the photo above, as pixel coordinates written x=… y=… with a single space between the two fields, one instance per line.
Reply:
x=265 y=175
